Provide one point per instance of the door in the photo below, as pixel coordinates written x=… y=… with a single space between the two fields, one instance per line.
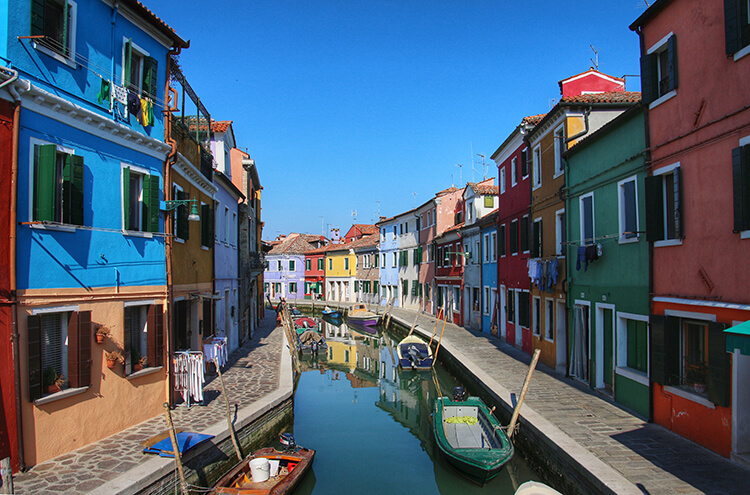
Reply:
x=609 y=339
x=579 y=344
x=561 y=336
x=502 y=322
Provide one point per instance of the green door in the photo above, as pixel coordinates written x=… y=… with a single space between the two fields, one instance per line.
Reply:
x=609 y=338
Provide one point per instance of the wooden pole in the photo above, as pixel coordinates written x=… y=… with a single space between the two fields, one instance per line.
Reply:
x=434 y=330
x=237 y=449
x=176 y=449
x=434 y=358
x=6 y=474
x=414 y=325
x=527 y=381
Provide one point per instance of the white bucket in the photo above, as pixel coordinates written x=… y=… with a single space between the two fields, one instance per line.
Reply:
x=259 y=468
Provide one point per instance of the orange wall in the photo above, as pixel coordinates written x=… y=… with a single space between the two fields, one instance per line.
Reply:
x=191 y=263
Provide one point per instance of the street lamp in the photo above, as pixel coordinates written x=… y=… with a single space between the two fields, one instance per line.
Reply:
x=176 y=203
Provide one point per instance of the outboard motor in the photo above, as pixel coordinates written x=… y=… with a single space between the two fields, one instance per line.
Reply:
x=287 y=440
x=415 y=357
x=459 y=394
x=314 y=347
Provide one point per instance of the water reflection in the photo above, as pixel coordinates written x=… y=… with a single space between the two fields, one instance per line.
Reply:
x=370 y=421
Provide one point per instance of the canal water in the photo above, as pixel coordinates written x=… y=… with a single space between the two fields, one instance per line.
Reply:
x=370 y=422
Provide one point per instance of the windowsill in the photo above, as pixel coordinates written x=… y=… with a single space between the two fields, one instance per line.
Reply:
x=179 y=239
x=535 y=187
x=138 y=233
x=558 y=173
x=629 y=240
x=63 y=394
x=631 y=374
x=144 y=372
x=57 y=227
x=668 y=242
x=744 y=51
x=698 y=399
x=549 y=339
x=57 y=56
x=205 y=248
x=662 y=99
x=745 y=234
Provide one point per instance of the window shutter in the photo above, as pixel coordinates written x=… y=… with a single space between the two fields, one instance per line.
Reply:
x=664 y=349
x=732 y=21
x=741 y=186
x=155 y=335
x=128 y=62
x=37 y=17
x=719 y=366
x=536 y=244
x=524 y=234
x=151 y=202
x=126 y=197
x=79 y=349
x=150 y=73
x=679 y=231
x=524 y=163
x=672 y=62
x=44 y=183
x=654 y=209
x=34 y=351
x=73 y=190
x=649 y=84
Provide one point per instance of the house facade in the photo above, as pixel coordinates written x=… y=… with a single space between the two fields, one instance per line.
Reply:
x=409 y=259
x=449 y=271
x=367 y=280
x=697 y=202
x=488 y=256
x=540 y=234
x=90 y=237
x=315 y=273
x=341 y=272
x=605 y=201
x=285 y=275
x=389 y=253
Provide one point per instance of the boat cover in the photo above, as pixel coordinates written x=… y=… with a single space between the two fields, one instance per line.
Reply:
x=185 y=441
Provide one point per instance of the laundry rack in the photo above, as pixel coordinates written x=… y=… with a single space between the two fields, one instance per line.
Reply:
x=189 y=371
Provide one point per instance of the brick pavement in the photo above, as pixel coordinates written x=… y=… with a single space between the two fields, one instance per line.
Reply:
x=592 y=428
x=251 y=374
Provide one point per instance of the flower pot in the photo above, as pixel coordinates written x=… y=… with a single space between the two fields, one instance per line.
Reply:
x=51 y=389
x=111 y=363
x=99 y=339
x=137 y=367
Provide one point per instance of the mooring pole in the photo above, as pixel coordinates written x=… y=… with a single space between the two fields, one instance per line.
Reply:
x=6 y=474
x=176 y=450
x=527 y=381
x=414 y=325
x=434 y=358
x=237 y=449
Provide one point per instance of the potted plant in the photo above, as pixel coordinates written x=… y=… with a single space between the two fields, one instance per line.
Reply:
x=113 y=357
x=52 y=380
x=101 y=333
x=135 y=359
x=142 y=363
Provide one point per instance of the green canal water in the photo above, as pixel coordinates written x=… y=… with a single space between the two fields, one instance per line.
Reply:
x=370 y=423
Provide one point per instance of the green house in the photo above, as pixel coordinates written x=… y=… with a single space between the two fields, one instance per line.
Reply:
x=607 y=261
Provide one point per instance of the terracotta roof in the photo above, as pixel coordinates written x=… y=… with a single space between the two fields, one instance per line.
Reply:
x=446 y=191
x=220 y=125
x=368 y=241
x=608 y=97
x=293 y=244
x=483 y=188
x=366 y=228
x=157 y=22
x=320 y=250
x=489 y=218
x=533 y=119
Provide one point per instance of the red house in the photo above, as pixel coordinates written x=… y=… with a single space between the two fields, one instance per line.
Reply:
x=513 y=205
x=449 y=268
x=694 y=76
x=315 y=273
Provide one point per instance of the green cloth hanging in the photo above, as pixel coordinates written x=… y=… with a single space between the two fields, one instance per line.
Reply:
x=104 y=91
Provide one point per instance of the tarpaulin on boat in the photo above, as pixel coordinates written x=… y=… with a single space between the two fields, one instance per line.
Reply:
x=738 y=337
x=185 y=441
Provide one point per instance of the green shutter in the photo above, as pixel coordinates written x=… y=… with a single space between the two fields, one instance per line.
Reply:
x=654 y=209
x=73 y=190
x=741 y=187
x=151 y=193
x=126 y=197
x=719 y=366
x=37 y=17
x=150 y=73
x=732 y=22
x=664 y=350
x=672 y=62
x=679 y=231
x=34 y=351
x=128 y=62
x=649 y=84
x=44 y=183
x=524 y=164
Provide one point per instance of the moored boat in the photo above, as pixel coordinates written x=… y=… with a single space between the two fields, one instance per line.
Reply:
x=286 y=470
x=535 y=488
x=359 y=314
x=312 y=342
x=470 y=437
x=414 y=354
x=305 y=323
x=332 y=313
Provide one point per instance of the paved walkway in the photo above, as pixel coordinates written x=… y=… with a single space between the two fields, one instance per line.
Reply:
x=117 y=463
x=627 y=453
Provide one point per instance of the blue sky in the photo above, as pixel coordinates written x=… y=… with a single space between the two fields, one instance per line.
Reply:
x=359 y=104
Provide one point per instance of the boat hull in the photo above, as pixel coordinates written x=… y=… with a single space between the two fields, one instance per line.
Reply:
x=421 y=357
x=238 y=481
x=479 y=451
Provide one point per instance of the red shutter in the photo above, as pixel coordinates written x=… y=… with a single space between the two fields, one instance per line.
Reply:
x=155 y=336
x=34 y=350
x=84 y=348
x=73 y=346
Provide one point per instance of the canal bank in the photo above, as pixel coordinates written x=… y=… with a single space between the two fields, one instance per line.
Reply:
x=580 y=440
x=259 y=383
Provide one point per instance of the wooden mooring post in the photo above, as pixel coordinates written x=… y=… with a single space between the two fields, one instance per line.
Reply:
x=236 y=444
x=388 y=311
x=6 y=475
x=176 y=449
x=527 y=381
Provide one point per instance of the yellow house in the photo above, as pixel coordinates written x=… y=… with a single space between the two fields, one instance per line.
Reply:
x=341 y=270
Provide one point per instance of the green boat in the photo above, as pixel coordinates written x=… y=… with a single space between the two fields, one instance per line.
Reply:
x=471 y=438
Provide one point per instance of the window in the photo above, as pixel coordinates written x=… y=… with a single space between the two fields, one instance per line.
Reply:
x=637 y=345
x=549 y=318
x=493 y=246
x=291 y=265
x=395 y=263
x=502 y=180
x=180 y=215
x=292 y=287
x=419 y=224
x=486 y=256
x=741 y=187
x=58 y=185
x=330 y=263
x=510 y=310
x=537 y=163
x=513 y=172
x=394 y=231
x=561 y=233
x=628 y=209
x=140 y=71
x=375 y=260
x=414 y=288
x=143 y=336
x=346 y=263
x=664 y=205
x=559 y=150
x=207 y=225
x=587 y=218
x=513 y=237
x=536 y=239
x=375 y=287
x=486 y=301
x=321 y=264
x=59 y=344
x=524 y=163
x=659 y=71
x=56 y=21
x=524 y=235
x=456 y=298
x=537 y=319
x=382 y=234
x=489 y=201
x=429 y=218
x=277 y=287
x=501 y=240
x=308 y=265
x=474 y=298
x=140 y=192
x=523 y=308
x=278 y=266
x=383 y=260
x=737 y=27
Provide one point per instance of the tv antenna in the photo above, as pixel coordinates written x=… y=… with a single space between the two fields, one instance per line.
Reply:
x=354 y=215
x=415 y=199
x=484 y=166
x=460 y=176
x=596 y=54
x=322 y=225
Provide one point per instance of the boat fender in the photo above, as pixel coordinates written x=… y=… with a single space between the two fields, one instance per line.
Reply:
x=459 y=394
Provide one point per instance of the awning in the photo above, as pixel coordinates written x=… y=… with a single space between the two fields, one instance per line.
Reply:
x=738 y=337
x=215 y=297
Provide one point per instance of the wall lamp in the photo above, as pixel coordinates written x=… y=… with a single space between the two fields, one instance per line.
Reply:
x=176 y=203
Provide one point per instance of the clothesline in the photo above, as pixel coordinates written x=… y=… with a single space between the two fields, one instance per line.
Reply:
x=189 y=369
x=605 y=237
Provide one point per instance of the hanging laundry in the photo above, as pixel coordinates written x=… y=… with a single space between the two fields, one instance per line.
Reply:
x=592 y=253
x=542 y=276
x=120 y=94
x=552 y=273
x=104 y=92
x=134 y=105
x=581 y=258
x=146 y=116
x=189 y=377
x=530 y=264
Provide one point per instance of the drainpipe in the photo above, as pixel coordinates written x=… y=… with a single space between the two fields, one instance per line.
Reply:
x=12 y=259
x=115 y=9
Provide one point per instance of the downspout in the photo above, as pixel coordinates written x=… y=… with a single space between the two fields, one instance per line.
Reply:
x=115 y=9
x=12 y=269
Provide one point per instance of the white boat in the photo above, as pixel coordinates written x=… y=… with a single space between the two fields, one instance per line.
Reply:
x=535 y=488
x=414 y=354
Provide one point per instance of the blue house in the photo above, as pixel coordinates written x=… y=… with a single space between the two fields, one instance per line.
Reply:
x=90 y=78
x=488 y=254
x=389 y=263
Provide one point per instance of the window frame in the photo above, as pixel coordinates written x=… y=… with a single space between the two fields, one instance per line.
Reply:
x=654 y=183
x=621 y=355
x=651 y=69
x=60 y=219
x=69 y=58
x=536 y=316
x=737 y=28
x=559 y=142
x=583 y=220
x=741 y=187
x=549 y=319
x=561 y=232
x=502 y=180
x=513 y=171
x=536 y=161
x=621 y=210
